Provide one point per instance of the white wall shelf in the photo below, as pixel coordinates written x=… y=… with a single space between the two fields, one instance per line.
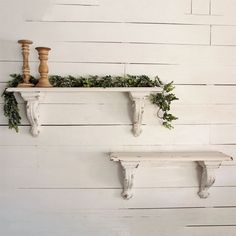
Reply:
x=34 y=96
x=208 y=161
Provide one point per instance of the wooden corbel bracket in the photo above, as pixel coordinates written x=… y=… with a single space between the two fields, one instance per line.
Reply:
x=207 y=176
x=130 y=161
x=129 y=169
x=138 y=102
x=33 y=96
x=33 y=100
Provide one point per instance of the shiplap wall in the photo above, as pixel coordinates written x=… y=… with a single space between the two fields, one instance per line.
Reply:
x=62 y=183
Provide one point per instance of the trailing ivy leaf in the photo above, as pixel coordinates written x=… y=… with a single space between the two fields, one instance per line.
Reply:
x=16 y=79
x=167 y=125
x=170 y=97
x=11 y=110
x=169 y=117
x=159 y=83
x=163 y=101
x=169 y=87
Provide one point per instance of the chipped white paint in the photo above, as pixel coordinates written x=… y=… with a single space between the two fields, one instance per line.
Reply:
x=129 y=169
x=32 y=110
x=209 y=161
x=33 y=97
x=207 y=176
x=138 y=100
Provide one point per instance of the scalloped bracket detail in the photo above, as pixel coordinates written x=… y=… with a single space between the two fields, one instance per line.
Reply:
x=33 y=100
x=138 y=103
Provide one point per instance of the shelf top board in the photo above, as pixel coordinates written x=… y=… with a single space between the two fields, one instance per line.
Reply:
x=170 y=156
x=83 y=89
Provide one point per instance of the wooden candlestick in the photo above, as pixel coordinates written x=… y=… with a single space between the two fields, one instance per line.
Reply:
x=43 y=67
x=25 y=68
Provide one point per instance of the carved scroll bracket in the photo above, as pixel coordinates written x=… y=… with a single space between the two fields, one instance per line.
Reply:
x=138 y=103
x=208 y=160
x=207 y=176
x=33 y=95
x=129 y=169
x=32 y=100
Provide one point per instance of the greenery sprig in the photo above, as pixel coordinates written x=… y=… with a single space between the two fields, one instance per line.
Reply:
x=162 y=100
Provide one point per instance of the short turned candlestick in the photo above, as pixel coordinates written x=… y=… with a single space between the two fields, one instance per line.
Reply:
x=43 y=67
x=25 y=68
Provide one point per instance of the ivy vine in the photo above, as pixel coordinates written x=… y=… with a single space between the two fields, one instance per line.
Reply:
x=162 y=100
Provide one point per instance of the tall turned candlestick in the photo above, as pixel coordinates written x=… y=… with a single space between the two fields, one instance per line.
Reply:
x=25 y=68
x=43 y=67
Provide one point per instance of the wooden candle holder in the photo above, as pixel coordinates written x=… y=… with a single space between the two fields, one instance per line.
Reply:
x=25 y=68
x=43 y=67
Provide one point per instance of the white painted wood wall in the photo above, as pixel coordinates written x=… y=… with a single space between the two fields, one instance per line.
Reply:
x=62 y=183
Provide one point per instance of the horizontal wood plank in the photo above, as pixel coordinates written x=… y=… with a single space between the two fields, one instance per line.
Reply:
x=63 y=69
x=155 y=12
x=114 y=32
x=120 y=114
x=119 y=10
x=110 y=198
x=177 y=73
x=187 y=74
x=79 y=2
x=187 y=94
x=223 y=35
x=223 y=134
x=226 y=8
x=216 y=230
x=112 y=135
x=121 y=221
x=46 y=155
x=71 y=168
x=128 y=53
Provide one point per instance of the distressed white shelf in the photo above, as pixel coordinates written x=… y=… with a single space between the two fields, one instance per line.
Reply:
x=34 y=96
x=208 y=161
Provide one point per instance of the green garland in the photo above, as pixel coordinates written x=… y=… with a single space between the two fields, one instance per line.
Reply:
x=162 y=100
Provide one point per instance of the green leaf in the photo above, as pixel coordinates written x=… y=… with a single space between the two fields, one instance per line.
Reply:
x=163 y=100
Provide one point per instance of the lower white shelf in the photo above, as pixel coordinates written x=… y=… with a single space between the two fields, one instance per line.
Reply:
x=208 y=161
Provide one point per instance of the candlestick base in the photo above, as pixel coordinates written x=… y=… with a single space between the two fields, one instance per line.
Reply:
x=25 y=85
x=43 y=84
